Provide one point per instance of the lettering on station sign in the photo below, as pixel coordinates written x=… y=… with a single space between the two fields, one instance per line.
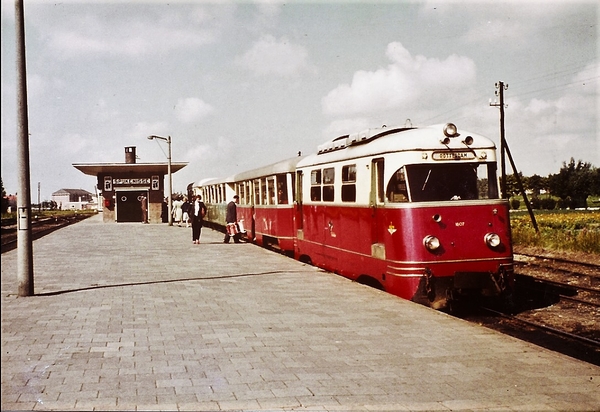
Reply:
x=131 y=181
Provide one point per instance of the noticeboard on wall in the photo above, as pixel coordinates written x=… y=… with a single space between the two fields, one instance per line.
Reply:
x=108 y=186
x=155 y=183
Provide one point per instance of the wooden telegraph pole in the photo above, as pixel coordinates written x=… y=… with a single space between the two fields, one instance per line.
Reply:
x=504 y=151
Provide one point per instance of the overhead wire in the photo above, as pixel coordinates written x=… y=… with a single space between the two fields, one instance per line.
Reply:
x=545 y=91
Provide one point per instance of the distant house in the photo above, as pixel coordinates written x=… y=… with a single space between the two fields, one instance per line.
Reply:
x=78 y=199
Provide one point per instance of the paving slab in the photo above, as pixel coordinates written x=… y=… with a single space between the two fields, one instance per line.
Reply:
x=130 y=316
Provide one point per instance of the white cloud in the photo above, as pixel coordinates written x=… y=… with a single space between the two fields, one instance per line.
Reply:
x=269 y=56
x=405 y=81
x=130 y=35
x=345 y=126
x=192 y=109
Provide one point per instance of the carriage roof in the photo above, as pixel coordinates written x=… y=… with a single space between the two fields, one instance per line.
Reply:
x=373 y=142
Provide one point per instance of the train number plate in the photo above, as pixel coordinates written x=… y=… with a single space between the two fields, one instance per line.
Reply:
x=462 y=155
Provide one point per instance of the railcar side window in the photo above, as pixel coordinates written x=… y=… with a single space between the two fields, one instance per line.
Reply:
x=282 y=192
x=263 y=191
x=349 y=183
x=315 y=185
x=257 y=192
x=271 y=190
x=242 y=193
x=328 y=181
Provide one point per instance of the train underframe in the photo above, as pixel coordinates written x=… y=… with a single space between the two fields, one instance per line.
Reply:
x=464 y=287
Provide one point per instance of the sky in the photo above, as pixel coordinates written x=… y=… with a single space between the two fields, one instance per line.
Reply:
x=240 y=84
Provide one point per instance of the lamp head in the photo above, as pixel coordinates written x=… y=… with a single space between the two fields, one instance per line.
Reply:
x=153 y=136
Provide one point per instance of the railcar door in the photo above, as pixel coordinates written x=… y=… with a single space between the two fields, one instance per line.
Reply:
x=377 y=197
x=331 y=214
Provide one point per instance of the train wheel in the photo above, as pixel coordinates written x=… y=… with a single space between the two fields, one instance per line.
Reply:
x=306 y=259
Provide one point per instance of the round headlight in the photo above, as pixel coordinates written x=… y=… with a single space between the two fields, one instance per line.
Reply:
x=450 y=130
x=431 y=242
x=492 y=240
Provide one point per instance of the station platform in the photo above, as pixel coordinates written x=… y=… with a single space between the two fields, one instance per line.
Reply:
x=133 y=317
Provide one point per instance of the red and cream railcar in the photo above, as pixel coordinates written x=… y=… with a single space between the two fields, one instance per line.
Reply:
x=414 y=212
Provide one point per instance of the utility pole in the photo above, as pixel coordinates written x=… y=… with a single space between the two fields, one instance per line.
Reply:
x=24 y=234
x=500 y=87
x=504 y=150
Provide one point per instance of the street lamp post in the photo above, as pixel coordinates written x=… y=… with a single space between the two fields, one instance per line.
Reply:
x=168 y=140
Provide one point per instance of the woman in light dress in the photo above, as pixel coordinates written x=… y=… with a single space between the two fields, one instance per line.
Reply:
x=177 y=211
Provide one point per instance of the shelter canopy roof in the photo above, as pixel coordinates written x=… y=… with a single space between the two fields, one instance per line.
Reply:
x=95 y=169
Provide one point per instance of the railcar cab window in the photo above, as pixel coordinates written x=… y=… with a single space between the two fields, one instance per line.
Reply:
x=442 y=182
x=349 y=183
x=397 y=190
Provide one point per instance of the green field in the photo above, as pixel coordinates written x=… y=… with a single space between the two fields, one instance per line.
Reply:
x=564 y=230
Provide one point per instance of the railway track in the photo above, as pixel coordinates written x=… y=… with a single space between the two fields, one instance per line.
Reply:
x=39 y=228
x=557 y=306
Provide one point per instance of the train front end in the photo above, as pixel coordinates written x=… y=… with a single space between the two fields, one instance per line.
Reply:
x=447 y=232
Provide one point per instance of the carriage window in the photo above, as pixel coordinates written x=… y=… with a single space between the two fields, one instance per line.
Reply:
x=349 y=174
x=349 y=183
x=315 y=185
x=263 y=191
x=271 y=189
x=242 y=193
x=315 y=177
x=248 y=199
x=328 y=181
x=257 y=192
x=282 y=193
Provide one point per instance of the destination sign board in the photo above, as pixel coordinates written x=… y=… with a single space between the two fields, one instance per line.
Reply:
x=453 y=155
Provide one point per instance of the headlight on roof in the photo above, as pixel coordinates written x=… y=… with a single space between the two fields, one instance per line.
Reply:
x=450 y=130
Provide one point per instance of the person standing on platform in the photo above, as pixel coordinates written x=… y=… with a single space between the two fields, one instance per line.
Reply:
x=177 y=212
x=185 y=208
x=144 y=205
x=231 y=220
x=197 y=212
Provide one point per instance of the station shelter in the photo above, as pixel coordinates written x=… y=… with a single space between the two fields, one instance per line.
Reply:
x=124 y=185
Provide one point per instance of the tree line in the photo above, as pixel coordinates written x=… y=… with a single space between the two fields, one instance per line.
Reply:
x=567 y=189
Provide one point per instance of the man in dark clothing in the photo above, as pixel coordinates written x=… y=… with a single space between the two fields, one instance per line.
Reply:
x=144 y=203
x=231 y=219
x=197 y=211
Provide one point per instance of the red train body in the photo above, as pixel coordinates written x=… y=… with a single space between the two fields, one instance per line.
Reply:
x=414 y=212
